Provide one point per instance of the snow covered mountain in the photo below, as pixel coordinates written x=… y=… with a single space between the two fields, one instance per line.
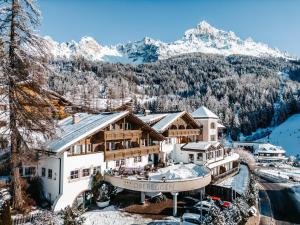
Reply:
x=204 y=39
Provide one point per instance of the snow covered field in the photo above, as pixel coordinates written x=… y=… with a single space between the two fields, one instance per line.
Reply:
x=287 y=135
x=112 y=216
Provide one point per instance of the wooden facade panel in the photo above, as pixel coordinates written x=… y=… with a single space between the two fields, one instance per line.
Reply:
x=131 y=152
x=186 y=132
x=122 y=134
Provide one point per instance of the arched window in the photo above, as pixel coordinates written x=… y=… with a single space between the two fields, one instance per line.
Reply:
x=181 y=127
x=212 y=126
x=173 y=127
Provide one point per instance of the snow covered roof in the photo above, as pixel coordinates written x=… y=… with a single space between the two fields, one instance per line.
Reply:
x=167 y=121
x=151 y=118
x=219 y=125
x=203 y=113
x=201 y=146
x=163 y=124
x=269 y=148
x=231 y=157
x=69 y=133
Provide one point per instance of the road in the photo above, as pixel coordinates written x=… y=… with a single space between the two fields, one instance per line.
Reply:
x=277 y=204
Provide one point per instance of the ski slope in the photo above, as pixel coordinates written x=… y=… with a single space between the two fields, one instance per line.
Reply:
x=287 y=135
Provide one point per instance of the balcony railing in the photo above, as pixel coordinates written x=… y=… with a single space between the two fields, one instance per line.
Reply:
x=183 y=132
x=121 y=134
x=131 y=152
x=225 y=174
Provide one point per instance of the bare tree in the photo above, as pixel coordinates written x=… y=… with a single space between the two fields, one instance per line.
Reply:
x=25 y=66
x=246 y=157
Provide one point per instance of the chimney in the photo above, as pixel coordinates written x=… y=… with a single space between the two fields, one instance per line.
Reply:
x=75 y=118
x=146 y=112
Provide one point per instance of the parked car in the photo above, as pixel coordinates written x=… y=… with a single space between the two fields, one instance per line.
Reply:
x=202 y=208
x=214 y=198
x=204 y=205
x=191 y=219
x=223 y=204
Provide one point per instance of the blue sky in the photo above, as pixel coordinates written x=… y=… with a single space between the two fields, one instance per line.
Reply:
x=275 y=22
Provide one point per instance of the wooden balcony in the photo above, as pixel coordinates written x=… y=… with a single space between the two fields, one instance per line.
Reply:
x=121 y=134
x=131 y=152
x=187 y=132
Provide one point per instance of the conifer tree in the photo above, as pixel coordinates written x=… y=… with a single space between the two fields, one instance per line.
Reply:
x=23 y=79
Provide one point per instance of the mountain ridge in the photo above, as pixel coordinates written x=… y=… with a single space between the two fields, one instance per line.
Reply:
x=204 y=38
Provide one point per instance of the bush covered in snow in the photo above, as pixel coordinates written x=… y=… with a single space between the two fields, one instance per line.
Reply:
x=252 y=192
x=72 y=216
x=47 y=218
x=102 y=190
x=215 y=216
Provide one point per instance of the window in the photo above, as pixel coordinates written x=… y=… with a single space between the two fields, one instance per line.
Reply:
x=199 y=156
x=168 y=141
x=112 y=127
x=135 y=159
x=111 y=145
x=212 y=126
x=122 y=162
x=43 y=172
x=76 y=150
x=210 y=155
x=127 y=126
x=49 y=173
x=29 y=171
x=85 y=172
x=117 y=163
x=212 y=137
x=127 y=144
x=96 y=169
x=139 y=158
x=191 y=158
x=143 y=142
x=74 y=174
x=89 y=148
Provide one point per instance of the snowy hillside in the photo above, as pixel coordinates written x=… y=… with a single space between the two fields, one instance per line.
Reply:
x=203 y=38
x=287 y=135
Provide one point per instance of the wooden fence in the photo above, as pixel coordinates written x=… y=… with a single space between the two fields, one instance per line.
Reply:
x=19 y=220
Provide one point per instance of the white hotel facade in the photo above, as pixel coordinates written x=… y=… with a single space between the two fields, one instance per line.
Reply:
x=87 y=143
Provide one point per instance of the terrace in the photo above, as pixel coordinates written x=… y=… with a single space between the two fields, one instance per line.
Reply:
x=173 y=179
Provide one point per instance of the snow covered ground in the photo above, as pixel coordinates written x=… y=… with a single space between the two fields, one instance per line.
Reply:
x=179 y=171
x=239 y=182
x=112 y=216
x=283 y=173
x=287 y=135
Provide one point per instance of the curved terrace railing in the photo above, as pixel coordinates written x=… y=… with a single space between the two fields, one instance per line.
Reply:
x=143 y=185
